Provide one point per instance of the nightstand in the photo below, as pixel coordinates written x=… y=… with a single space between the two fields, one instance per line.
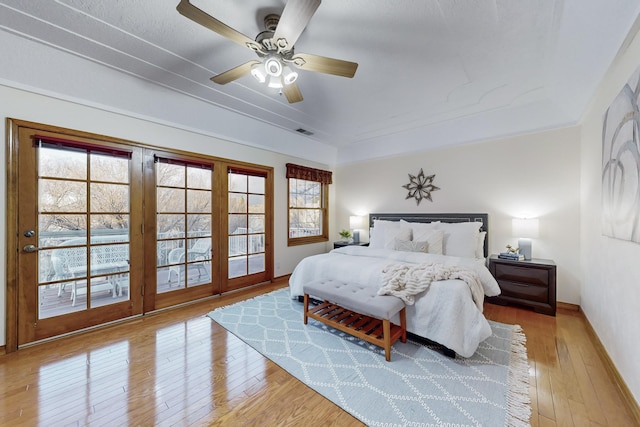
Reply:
x=337 y=245
x=530 y=283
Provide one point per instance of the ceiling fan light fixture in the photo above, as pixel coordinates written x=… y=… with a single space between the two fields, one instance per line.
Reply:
x=274 y=47
x=288 y=75
x=273 y=66
x=259 y=73
x=275 y=82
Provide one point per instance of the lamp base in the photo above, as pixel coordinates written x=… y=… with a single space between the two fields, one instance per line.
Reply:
x=524 y=247
x=356 y=236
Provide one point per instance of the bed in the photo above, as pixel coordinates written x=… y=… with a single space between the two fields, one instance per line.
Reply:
x=448 y=312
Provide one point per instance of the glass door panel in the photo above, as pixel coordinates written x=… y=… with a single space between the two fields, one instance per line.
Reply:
x=184 y=199
x=246 y=224
x=82 y=190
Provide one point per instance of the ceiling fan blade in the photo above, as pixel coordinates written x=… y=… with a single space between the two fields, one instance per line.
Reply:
x=325 y=65
x=292 y=92
x=234 y=73
x=190 y=11
x=294 y=19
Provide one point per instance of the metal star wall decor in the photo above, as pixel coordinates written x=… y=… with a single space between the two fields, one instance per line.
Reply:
x=420 y=187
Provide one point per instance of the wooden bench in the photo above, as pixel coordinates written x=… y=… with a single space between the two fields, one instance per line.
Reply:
x=358 y=311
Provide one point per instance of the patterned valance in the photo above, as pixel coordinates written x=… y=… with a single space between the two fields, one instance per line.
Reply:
x=308 y=174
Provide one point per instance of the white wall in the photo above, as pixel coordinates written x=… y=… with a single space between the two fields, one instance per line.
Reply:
x=23 y=105
x=536 y=175
x=611 y=275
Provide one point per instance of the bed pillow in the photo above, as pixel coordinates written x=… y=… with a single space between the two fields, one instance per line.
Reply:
x=435 y=239
x=426 y=232
x=415 y=226
x=384 y=223
x=373 y=242
x=391 y=235
x=377 y=232
x=411 y=246
x=480 y=247
x=383 y=233
x=460 y=238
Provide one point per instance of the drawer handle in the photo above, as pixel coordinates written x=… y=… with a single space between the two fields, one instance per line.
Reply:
x=524 y=285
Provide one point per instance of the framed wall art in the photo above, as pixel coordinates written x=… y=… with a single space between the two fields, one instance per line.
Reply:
x=621 y=164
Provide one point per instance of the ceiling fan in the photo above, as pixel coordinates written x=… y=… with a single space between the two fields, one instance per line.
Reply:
x=274 y=47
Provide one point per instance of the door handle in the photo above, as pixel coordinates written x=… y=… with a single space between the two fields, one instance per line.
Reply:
x=30 y=248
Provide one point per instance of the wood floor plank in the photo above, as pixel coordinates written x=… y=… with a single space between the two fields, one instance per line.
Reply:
x=579 y=415
x=546 y=422
x=533 y=394
x=562 y=410
x=543 y=380
x=608 y=394
x=178 y=367
x=565 y=373
x=590 y=398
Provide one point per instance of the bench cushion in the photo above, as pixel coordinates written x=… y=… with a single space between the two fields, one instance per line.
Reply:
x=359 y=298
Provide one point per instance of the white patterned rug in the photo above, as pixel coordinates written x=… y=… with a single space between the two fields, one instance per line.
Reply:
x=419 y=387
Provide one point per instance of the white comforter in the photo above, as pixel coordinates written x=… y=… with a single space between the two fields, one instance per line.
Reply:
x=445 y=313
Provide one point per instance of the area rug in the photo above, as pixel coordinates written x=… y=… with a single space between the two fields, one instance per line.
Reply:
x=419 y=386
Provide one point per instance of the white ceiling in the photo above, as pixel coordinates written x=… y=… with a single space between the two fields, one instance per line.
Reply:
x=431 y=72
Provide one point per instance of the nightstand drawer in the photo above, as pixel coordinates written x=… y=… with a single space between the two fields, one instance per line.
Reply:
x=528 y=274
x=527 y=291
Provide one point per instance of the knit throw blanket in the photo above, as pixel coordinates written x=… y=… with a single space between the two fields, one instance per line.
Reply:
x=405 y=281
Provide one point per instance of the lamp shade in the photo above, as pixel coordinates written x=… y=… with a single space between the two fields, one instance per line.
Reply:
x=275 y=82
x=288 y=75
x=355 y=221
x=525 y=227
x=273 y=66
x=259 y=73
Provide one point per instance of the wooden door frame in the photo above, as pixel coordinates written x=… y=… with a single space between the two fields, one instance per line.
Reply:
x=14 y=239
x=11 y=227
x=240 y=282
x=155 y=302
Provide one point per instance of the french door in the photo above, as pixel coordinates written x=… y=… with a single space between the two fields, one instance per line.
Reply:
x=101 y=229
x=248 y=227
x=79 y=239
x=186 y=219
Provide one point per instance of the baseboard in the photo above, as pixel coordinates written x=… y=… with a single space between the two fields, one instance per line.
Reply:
x=611 y=368
x=284 y=277
x=567 y=306
x=3 y=350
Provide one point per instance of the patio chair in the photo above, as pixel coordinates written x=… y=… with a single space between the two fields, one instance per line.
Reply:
x=200 y=251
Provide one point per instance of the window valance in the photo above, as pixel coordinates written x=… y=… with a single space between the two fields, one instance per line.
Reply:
x=308 y=174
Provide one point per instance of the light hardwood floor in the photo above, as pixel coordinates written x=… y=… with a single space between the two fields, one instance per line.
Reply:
x=178 y=367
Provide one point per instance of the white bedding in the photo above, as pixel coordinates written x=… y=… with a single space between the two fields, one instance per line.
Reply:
x=445 y=313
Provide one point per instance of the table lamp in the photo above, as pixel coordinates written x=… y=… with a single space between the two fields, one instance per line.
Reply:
x=355 y=223
x=525 y=229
